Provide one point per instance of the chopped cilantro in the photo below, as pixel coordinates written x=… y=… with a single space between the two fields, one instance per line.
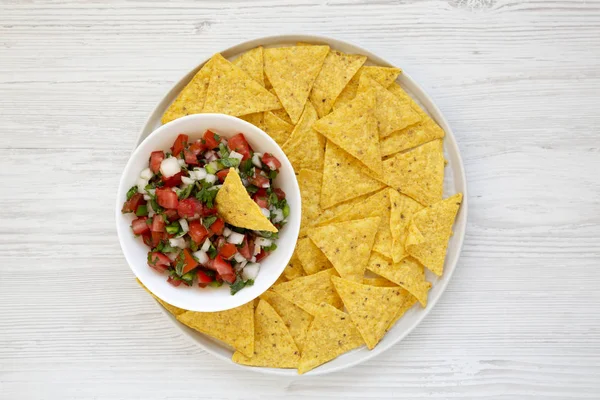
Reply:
x=151 y=261
x=205 y=194
x=155 y=206
x=217 y=137
x=246 y=166
x=272 y=247
x=193 y=246
x=133 y=190
x=223 y=151
x=286 y=208
x=189 y=278
x=208 y=221
x=230 y=162
x=165 y=247
x=239 y=284
x=173 y=228
x=251 y=189
x=268 y=235
x=180 y=263
x=141 y=211
x=216 y=284
x=273 y=174
x=273 y=200
x=185 y=193
x=212 y=252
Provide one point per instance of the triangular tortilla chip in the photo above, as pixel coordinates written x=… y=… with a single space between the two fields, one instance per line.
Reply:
x=339 y=208
x=422 y=132
x=330 y=335
x=382 y=75
x=306 y=147
x=338 y=68
x=295 y=319
x=231 y=91
x=418 y=173
x=292 y=72
x=172 y=309
x=311 y=290
x=234 y=327
x=408 y=274
x=403 y=207
x=310 y=192
x=429 y=232
x=354 y=129
x=347 y=245
x=191 y=99
x=277 y=128
x=344 y=177
x=294 y=268
x=378 y=281
x=391 y=112
x=256 y=119
x=236 y=207
x=408 y=299
x=274 y=346
x=371 y=308
x=282 y=114
x=251 y=62
x=312 y=259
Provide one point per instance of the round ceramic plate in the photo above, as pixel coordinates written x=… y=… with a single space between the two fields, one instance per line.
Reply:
x=454 y=182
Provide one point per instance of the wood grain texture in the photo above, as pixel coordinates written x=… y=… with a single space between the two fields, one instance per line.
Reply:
x=519 y=82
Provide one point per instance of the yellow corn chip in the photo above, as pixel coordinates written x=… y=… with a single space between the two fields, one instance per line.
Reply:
x=347 y=245
x=256 y=119
x=408 y=274
x=306 y=147
x=292 y=72
x=312 y=259
x=403 y=207
x=191 y=99
x=237 y=208
x=429 y=232
x=378 y=281
x=330 y=335
x=391 y=112
x=294 y=268
x=371 y=308
x=274 y=346
x=234 y=327
x=295 y=319
x=354 y=129
x=251 y=62
x=408 y=299
x=277 y=128
x=418 y=173
x=231 y=91
x=311 y=290
x=339 y=208
x=344 y=178
x=310 y=192
x=282 y=114
x=382 y=75
x=422 y=132
x=172 y=309
x=338 y=68
x=281 y=279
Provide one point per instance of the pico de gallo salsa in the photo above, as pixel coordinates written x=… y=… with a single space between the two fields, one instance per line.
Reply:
x=175 y=214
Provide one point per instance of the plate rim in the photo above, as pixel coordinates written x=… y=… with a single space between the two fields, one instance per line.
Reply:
x=449 y=143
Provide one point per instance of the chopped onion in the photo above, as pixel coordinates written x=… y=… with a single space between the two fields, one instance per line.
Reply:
x=141 y=184
x=201 y=256
x=251 y=271
x=169 y=167
x=240 y=266
x=152 y=192
x=210 y=178
x=253 y=259
x=278 y=215
x=239 y=258
x=178 y=242
x=150 y=209
x=172 y=256
x=256 y=250
x=199 y=173
x=245 y=182
x=265 y=212
x=181 y=162
x=235 y=154
x=187 y=181
x=263 y=242
x=206 y=245
x=236 y=238
x=226 y=232
x=256 y=159
x=146 y=174
x=210 y=156
x=147 y=198
x=184 y=225
x=266 y=185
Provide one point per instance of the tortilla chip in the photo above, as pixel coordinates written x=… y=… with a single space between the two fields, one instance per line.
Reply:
x=340 y=208
x=282 y=114
x=292 y=72
x=172 y=309
x=251 y=62
x=279 y=280
x=310 y=192
x=379 y=282
x=418 y=173
x=294 y=268
x=403 y=207
x=408 y=302
x=338 y=68
x=391 y=112
x=237 y=208
x=274 y=346
x=312 y=259
x=382 y=75
x=344 y=178
x=256 y=119
x=347 y=245
x=191 y=99
x=330 y=335
x=234 y=327
x=277 y=128
x=354 y=129
x=231 y=91
x=296 y=320
x=306 y=147
x=408 y=274
x=422 y=132
x=311 y=290
x=371 y=308
x=429 y=232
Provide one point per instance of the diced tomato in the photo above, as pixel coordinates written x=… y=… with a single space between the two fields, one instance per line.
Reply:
x=172 y=181
x=221 y=241
x=147 y=238
x=271 y=161
x=179 y=145
x=133 y=203
x=262 y=255
x=158 y=223
x=190 y=262
x=159 y=261
x=230 y=278
x=217 y=226
x=197 y=231
x=245 y=250
x=261 y=201
x=210 y=141
x=171 y=214
x=259 y=180
x=197 y=148
x=166 y=198
x=189 y=207
x=190 y=158
x=222 y=174
x=155 y=159
x=203 y=277
x=207 y=212
x=261 y=193
x=228 y=250
x=239 y=144
x=140 y=226
x=174 y=282
x=223 y=268
x=279 y=193
x=157 y=237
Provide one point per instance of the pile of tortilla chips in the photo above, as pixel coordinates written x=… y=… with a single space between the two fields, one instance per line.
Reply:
x=370 y=167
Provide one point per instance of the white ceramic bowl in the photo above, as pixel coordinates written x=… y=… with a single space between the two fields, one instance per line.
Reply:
x=195 y=298
x=454 y=182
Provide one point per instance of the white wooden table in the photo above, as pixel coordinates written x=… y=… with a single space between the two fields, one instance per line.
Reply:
x=519 y=81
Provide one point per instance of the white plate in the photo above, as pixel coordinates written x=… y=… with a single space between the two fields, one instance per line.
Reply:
x=454 y=182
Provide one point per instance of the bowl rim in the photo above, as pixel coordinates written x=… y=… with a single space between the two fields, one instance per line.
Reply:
x=449 y=144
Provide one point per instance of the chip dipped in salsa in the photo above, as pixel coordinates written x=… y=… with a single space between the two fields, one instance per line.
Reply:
x=177 y=216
